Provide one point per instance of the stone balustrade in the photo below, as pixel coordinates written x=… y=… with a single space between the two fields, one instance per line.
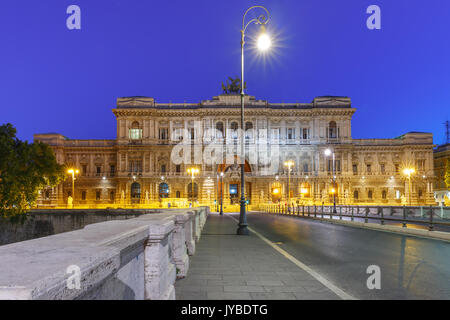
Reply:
x=137 y=258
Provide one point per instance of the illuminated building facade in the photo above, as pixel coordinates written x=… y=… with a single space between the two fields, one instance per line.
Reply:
x=137 y=168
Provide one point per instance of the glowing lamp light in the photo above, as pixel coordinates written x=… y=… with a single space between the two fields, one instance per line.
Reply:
x=264 y=42
x=333 y=190
x=408 y=171
x=303 y=190
x=276 y=191
x=327 y=152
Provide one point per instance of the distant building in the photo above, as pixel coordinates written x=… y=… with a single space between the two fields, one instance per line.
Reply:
x=137 y=167
x=441 y=156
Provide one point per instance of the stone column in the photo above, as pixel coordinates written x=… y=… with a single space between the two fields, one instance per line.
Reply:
x=159 y=271
x=179 y=249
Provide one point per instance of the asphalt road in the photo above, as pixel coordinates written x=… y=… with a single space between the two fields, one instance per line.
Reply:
x=411 y=267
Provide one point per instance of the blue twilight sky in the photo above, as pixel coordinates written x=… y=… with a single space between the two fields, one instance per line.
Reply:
x=57 y=80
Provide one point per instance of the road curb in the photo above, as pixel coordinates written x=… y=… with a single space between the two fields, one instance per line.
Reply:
x=435 y=235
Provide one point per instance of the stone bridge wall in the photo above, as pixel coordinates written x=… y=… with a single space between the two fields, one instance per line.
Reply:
x=138 y=258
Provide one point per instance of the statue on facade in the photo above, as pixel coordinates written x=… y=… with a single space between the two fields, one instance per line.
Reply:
x=233 y=86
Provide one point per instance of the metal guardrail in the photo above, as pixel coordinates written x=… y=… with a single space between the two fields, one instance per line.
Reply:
x=349 y=211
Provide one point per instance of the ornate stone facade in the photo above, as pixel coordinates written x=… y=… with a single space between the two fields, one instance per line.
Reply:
x=137 y=168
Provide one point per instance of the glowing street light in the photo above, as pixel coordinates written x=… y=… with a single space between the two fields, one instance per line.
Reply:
x=263 y=44
x=192 y=171
x=289 y=164
x=408 y=172
x=327 y=153
x=73 y=172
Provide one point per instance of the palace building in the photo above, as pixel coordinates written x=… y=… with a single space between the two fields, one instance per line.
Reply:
x=137 y=168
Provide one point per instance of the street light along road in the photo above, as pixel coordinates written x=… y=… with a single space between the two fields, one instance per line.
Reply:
x=263 y=44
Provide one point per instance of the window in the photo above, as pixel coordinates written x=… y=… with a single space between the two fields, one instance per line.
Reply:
x=163 y=168
x=305 y=167
x=112 y=195
x=421 y=164
x=135 y=133
x=397 y=194
x=163 y=190
x=384 y=194
x=355 y=169
x=83 y=169
x=332 y=130
x=178 y=168
x=135 y=190
x=178 y=194
x=397 y=168
x=163 y=134
x=219 y=129
x=99 y=170
x=97 y=195
x=382 y=168
x=369 y=168
x=83 y=195
x=47 y=194
x=112 y=170
x=355 y=195
x=420 y=193
x=189 y=190
x=305 y=133
x=192 y=133
x=291 y=133
x=337 y=165
x=369 y=194
x=275 y=133
x=135 y=166
x=234 y=128
x=248 y=130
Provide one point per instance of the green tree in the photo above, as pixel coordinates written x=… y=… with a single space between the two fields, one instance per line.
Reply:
x=447 y=174
x=25 y=168
x=233 y=86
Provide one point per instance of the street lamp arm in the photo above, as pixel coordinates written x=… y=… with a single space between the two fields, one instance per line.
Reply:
x=261 y=19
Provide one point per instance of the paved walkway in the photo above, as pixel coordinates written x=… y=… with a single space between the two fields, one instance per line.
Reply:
x=227 y=266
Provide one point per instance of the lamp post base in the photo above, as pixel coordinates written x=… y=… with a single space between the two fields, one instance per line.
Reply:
x=242 y=226
x=242 y=230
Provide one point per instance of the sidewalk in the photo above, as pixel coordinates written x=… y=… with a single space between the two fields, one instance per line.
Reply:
x=227 y=266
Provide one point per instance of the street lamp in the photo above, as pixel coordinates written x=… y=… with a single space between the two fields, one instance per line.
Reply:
x=289 y=164
x=263 y=44
x=221 y=193
x=408 y=172
x=192 y=171
x=329 y=152
x=73 y=172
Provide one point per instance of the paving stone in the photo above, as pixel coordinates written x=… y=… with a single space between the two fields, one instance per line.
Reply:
x=230 y=267
x=243 y=289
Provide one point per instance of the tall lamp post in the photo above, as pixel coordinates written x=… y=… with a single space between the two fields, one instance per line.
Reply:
x=289 y=164
x=192 y=171
x=221 y=193
x=263 y=44
x=329 y=152
x=73 y=172
x=408 y=172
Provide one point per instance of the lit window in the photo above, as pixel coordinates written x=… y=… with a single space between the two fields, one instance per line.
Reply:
x=135 y=132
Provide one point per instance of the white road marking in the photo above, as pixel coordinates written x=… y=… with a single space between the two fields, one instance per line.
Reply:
x=339 y=292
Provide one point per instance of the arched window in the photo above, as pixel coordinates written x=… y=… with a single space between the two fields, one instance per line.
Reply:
x=178 y=194
x=234 y=127
x=384 y=194
x=135 y=190
x=248 y=130
x=163 y=190
x=219 y=129
x=135 y=132
x=332 y=130
x=355 y=195
x=189 y=190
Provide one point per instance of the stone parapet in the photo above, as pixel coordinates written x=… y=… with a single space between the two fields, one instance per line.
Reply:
x=138 y=258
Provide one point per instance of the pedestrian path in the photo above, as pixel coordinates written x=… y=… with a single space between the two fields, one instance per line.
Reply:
x=227 y=266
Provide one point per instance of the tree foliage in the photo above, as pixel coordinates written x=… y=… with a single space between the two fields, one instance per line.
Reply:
x=447 y=174
x=25 y=168
x=233 y=86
